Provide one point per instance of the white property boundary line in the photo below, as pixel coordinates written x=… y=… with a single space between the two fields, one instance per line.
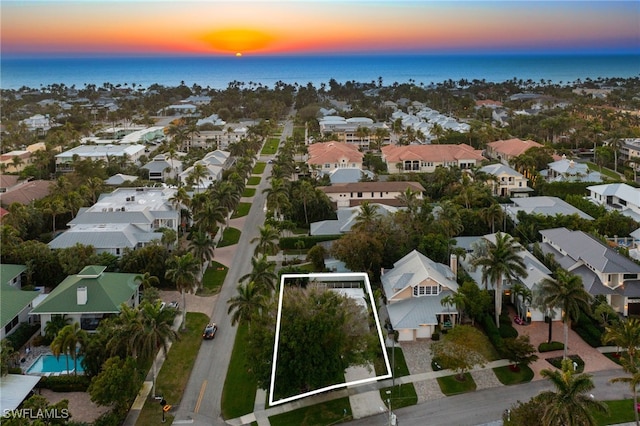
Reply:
x=350 y=276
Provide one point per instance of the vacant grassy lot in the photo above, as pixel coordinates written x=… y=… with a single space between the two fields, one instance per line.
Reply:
x=173 y=377
x=239 y=393
x=328 y=413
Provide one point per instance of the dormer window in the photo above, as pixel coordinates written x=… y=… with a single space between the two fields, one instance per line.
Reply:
x=426 y=290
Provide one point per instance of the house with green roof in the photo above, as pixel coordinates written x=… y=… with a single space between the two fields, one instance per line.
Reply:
x=15 y=303
x=89 y=296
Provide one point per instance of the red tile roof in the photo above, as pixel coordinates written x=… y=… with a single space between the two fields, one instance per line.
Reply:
x=26 y=193
x=430 y=153
x=330 y=152
x=512 y=147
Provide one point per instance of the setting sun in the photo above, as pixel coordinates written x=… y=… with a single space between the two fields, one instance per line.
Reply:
x=238 y=40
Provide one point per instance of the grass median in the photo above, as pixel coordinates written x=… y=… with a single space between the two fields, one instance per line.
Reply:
x=239 y=393
x=176 y=369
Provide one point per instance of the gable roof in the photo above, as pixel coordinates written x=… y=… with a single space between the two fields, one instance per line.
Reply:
x=580 y=246
x=12 y=299
x=106 y=291
x=544 y=205
x=413 y=269
x=430 y=153
x=621 y=190
x=414 y=312
x=500 y=169
x=26 y=192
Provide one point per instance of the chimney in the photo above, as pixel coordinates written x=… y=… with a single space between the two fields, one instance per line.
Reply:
x=453 y=264
x=81 y=295
x=571 y=164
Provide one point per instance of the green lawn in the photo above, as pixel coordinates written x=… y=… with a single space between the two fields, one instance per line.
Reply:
x=176 y=369
x=604 y=171
x=449 y=385
x=241 y=210
x=620 y=411
x=327 y=413
x=229 y=237
x=249 y=192
x=509 y=377
x=214 y=277
x=259 y=168
x=270 y=146
x=239 y=392
x=253 y=180
x=401 y=395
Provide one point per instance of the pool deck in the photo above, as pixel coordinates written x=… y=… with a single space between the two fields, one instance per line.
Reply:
x=32 y=356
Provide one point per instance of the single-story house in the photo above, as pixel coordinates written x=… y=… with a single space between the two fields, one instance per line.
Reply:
x=15 y=303
x=89 y=296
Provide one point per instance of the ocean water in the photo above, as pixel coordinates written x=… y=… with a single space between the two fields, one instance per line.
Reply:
x=218 y=72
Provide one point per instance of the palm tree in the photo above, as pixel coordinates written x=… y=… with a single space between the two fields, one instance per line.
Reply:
x=55 y=324
x=197 y=176
x=630 y=365
x=55 y=206
x=523 y=296
x=492 y=214
x=202 y=247
x=67 y=342
x=367 y=216
x=147 y=280
x=182 y=271
x=209 y=216
x=152 y=332
x=624 y=334
x=249 y=301
x=277 y=196
x=262 y=274
x=456 y=299
x=567 y=293
x=501 y=261
x=227 y=195
x=267 y=240
x=570 y=404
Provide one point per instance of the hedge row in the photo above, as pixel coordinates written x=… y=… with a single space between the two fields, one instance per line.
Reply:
x=586 y=329
x=22 y=335
x=66 y=383
x=493 y=333
x=507 y=331
x=549 y=347
x=289 y=243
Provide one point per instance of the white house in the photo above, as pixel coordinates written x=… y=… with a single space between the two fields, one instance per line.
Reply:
x=354 y=194
x=106 y=153
x=617 y=196
x=425 y=158
x=15 y=303
x=161 y=168
x=329 y=156
x=565 y=170
x=506 y=182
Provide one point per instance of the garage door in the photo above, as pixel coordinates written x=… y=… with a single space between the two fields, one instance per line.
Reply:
x=405 y=335
x=423 y=332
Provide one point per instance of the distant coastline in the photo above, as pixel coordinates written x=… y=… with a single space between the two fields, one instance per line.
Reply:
x=217 y=72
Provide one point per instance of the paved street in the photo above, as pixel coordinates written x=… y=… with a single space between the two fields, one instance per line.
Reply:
x=201 y=402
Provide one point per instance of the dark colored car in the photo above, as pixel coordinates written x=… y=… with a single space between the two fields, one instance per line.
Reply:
x=209 y=331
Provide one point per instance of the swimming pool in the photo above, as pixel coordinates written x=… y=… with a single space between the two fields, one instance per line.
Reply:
x=51 y=364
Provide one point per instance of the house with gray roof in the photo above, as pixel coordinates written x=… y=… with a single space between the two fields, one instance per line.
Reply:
x=505 y=181
x=15 y=303
x=89 y=296
x=536 y=273
x=161 y=168
x=346 y=219
x=543 y=205
x=603 y=270
x=125 y=218
x=414 y=290
x=617 y=196
x=565 y=170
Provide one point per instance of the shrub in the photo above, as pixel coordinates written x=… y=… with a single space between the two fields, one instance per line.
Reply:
x=67 y=383
x=435 y=336
x=492 y=332
x=22 y=335
x=557 y=362
x=549 y=347
x=588 y=329
x=289 y=243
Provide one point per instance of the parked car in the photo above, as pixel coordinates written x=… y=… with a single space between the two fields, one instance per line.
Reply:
x=174 y=304
x=210 y=331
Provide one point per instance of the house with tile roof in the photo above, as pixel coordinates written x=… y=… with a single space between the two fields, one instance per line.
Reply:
x=25 y=192
x=329 y=156
x=414 y=289
x=506 y=150
x=603 y=270
x=125 y=218
x=617 y=196
x=89 y=296
x=505 y=181
x=353 y=194
x=15 y=303
x=346 y=130
x=425 y=158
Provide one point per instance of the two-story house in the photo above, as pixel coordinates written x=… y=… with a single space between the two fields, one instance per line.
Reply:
x=329 y=157
x=425 y=158
x=161 y=168
x=506 y=150
x=15 y=303
x=603 y=270
x=414 y=289
x=617 y=196
x=354 y=194
x=125 y=218
x=506 y=182
x=565 y=170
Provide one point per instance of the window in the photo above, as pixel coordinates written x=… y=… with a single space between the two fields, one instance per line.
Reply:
x=426 y=290
x=359 y=194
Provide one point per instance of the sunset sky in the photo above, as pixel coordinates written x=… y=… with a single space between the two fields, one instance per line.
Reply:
x=87 y=27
